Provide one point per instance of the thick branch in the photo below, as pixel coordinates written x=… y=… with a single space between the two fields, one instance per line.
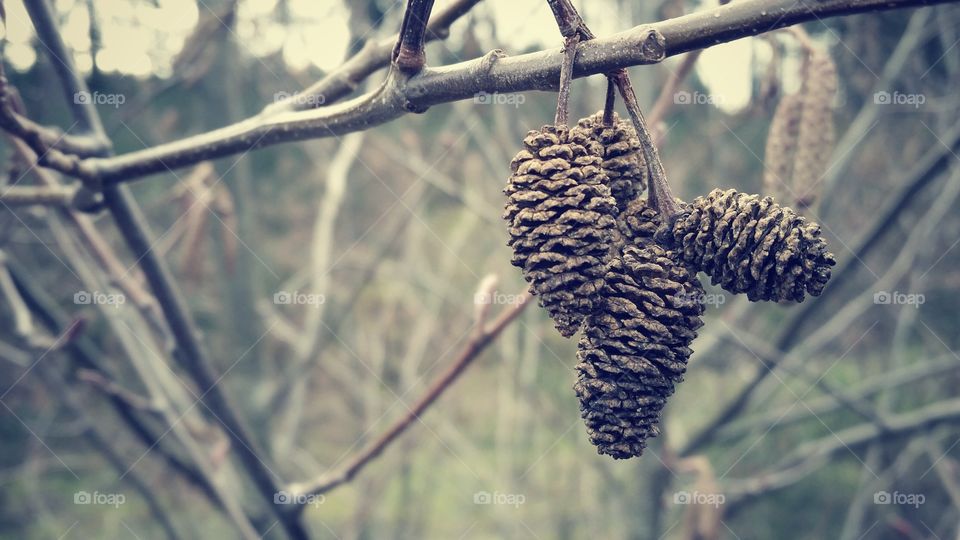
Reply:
x=494 y=72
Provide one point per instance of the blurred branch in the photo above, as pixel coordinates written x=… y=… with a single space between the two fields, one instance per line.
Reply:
x=493 y=73
x=132 y=225
x=784 y=417
x=810 y=455
x=482 y=337
x=37 y=195
x=927 y=170
x=104 y=443
x=667 y=98
x=112 y=389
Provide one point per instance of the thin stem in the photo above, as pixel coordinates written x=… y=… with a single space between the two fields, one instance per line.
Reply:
x=660 y=194
x=609 y=103
x=566 y=75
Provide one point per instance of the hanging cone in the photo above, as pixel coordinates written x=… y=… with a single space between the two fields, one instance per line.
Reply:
x=750 y=244
x=560 y=219
x=623 y=161
x=634 y=352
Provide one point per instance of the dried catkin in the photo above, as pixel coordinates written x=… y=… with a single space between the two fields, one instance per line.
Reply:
x=750 y=244
x=781 y=147
x=634 y=350
x=623 y=161
x=560 y=220
x=816 y=137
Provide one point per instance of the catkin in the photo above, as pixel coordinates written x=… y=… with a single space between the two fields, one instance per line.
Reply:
x=781 y=146
x=816 y=136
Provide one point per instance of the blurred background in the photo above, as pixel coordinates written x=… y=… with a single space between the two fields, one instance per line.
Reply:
x=332 y=280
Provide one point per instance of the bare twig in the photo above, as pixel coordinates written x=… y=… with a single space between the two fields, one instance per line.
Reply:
x=111 y=388
x=476 y=345
x=37 y=195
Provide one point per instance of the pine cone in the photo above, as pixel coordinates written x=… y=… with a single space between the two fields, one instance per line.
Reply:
x=816 y=136
x=561 y=225
x=781 y=147
x=635 y=351
x=623 y=160
x=748 y=243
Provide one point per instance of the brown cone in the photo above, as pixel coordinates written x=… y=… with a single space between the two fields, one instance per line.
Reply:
x=560 y=220
x=623 y=161
x=750 y=244
x=634 y=352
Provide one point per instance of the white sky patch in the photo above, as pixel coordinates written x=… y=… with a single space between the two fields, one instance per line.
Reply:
x=727 y=73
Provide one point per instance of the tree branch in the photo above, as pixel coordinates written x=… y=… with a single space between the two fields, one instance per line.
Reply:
x=374 y=56
x=480 y=339
x=493 y=72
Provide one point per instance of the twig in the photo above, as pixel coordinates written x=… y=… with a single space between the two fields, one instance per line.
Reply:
x=807 y=456
x=409 y=55
x=535 y=71
x=476 y=345
x=37 y=195
x=374 y=56
x=572 y=27
x=666 y=100
x=111 y=388
x=566 y=72
x=660 y=195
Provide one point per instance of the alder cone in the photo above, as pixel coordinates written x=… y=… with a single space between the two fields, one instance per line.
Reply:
x=750 y=244
x=623 y=161
x=781 y=146
x=560 y=220
x=816 y=134
x=635 y=350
